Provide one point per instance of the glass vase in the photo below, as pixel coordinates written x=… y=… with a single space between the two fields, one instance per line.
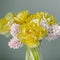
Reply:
x=33 y=53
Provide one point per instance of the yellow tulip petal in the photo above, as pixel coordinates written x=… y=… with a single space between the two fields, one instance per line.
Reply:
x=21 y=17
x=4 y=28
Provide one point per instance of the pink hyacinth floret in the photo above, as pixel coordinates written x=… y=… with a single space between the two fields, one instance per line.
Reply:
x=44 y=24
x=14 y=43
x=53 y=32
x=14 y=30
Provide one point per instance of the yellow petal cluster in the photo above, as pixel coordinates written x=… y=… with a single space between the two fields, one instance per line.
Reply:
x=21 y=17
x=5 y=23
x=4 y=28
x=31 y=33
x=48 y=17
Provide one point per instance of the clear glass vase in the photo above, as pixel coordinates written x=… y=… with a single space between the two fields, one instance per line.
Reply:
x=33 y=53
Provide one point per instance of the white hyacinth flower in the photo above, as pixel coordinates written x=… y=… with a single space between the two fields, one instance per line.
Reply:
x=44 y=24
x=53 y=32
x=14 y=43
x=14 y=30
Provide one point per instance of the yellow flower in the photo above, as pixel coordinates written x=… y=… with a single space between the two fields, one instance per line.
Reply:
x=31 y=34
x=21 y=17
x=4 y=28
x=10 y=16
x=47 y=17
x=31 y=41
x=6 y=22
x=32 y=17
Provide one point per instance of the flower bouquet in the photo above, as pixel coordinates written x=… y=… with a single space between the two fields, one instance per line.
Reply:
x=29 y=29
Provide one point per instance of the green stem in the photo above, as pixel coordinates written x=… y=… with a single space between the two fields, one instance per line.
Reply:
x=33 y=53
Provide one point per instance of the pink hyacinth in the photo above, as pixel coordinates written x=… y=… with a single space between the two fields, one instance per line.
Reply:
x=14 y=30
x=53 y=32
x=44 y=24
x=14 y=43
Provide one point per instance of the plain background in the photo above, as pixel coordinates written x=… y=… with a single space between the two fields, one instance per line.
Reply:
x=50 y=50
